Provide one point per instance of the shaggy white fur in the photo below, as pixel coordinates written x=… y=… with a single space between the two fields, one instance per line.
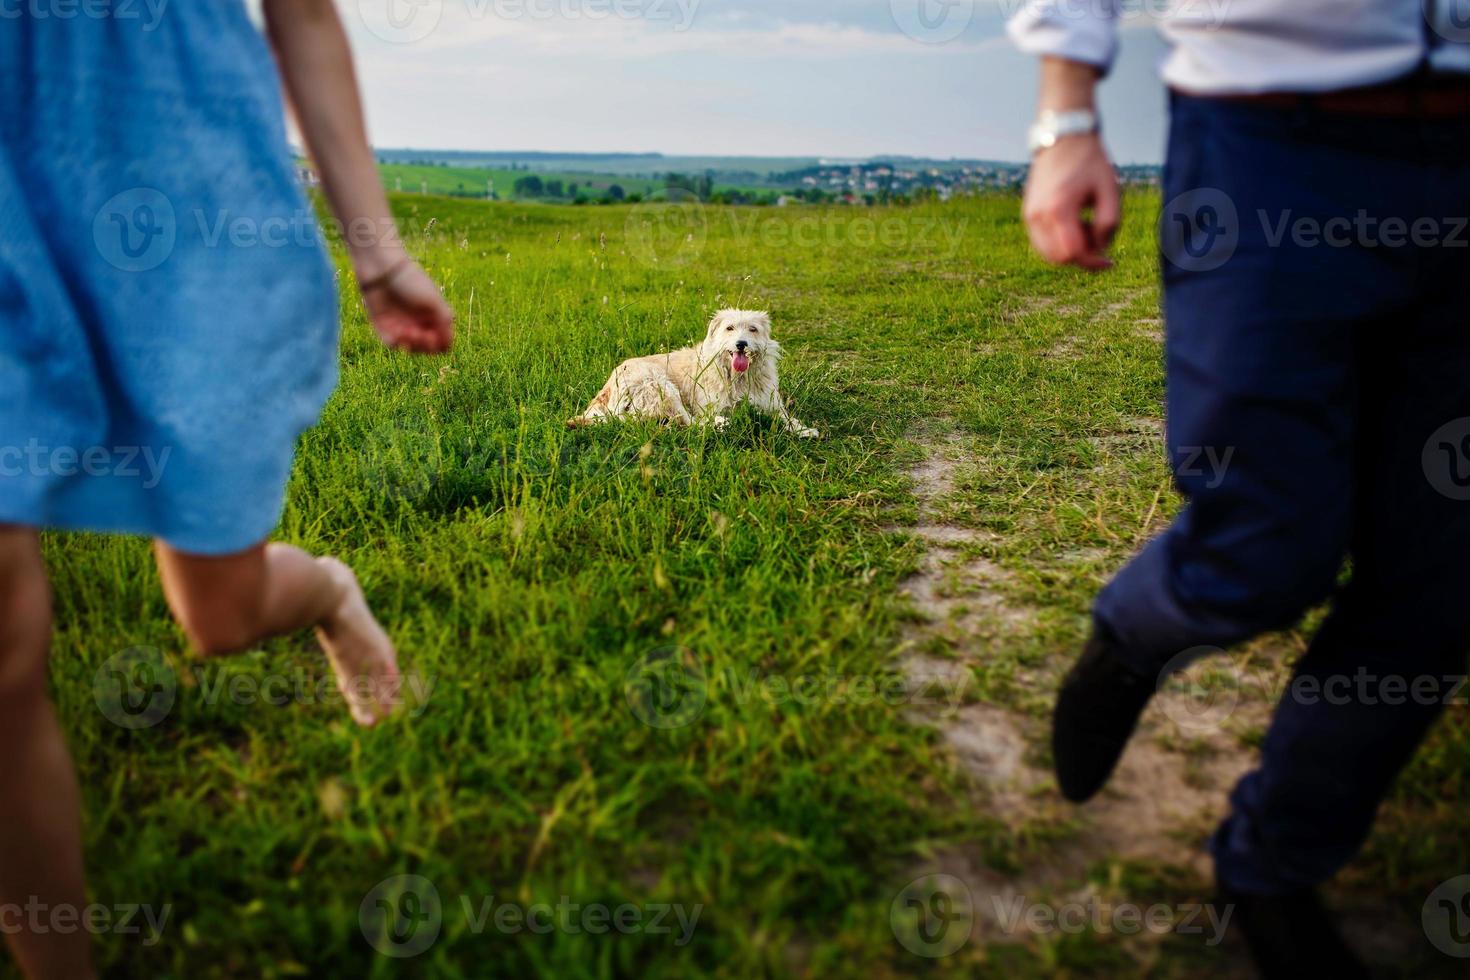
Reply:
x=736 y=362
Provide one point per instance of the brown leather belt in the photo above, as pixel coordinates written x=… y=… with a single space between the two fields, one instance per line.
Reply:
x=1420 y=97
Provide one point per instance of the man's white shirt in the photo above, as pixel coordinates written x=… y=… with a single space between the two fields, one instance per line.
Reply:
x=1221 y=47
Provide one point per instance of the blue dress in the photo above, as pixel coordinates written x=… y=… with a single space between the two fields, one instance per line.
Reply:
x=168 y=315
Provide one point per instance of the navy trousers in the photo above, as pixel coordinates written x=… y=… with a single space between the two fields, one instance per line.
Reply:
x=1317 y=309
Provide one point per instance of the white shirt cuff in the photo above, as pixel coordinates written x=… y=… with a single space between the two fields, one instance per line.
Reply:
x=1078 y=30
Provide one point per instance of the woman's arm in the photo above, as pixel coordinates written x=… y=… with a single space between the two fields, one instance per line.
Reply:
x=316 y=69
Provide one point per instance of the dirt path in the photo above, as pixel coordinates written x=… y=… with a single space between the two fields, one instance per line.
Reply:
x=1170 y=789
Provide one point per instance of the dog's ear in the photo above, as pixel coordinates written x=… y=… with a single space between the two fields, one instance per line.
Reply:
x=716 y=323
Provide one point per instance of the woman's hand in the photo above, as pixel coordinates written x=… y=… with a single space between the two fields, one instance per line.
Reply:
x=316 y=69
x=407 y=310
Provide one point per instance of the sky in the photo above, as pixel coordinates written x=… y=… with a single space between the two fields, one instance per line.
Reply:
x=837 y=78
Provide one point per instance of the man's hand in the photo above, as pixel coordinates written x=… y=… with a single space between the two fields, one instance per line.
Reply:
x=1065 y=181
x=1071 y=177
x=408 y=311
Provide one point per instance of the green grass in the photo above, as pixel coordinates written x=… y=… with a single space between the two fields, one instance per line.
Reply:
x=471 y=181
x=526 y=570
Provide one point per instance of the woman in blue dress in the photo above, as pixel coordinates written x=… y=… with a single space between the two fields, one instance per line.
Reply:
x=168 y=327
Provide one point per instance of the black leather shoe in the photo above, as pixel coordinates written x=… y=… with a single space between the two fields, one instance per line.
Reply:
x=1097 y=710
x=1292 y=936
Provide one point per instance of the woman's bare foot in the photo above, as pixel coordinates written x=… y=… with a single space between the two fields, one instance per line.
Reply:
x=361 y=654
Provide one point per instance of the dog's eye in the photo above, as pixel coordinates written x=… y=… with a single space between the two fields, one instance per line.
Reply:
x=729 y=330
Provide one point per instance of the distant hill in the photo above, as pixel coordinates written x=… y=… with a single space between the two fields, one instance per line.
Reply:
x=728 y=169
x=613 y=177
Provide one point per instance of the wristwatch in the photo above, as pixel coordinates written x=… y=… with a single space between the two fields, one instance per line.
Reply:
x=1052 y=125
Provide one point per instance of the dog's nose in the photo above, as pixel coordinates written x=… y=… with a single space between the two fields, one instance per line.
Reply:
x=741 y=345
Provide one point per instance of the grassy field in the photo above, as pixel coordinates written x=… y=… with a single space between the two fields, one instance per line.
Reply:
x=660 y=668
x=471 y=181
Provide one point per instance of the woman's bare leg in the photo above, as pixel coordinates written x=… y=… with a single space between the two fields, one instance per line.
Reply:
x=232 y=602
x=40 y=806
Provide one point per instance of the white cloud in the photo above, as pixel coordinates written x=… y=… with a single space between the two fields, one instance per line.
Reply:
x=755 y=77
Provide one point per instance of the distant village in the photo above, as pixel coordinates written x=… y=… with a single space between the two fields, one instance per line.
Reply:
x=859 y=182
x=868 y=182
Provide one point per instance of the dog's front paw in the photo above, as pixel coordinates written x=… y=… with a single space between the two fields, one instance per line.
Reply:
x=721 y=422
x=807 y=432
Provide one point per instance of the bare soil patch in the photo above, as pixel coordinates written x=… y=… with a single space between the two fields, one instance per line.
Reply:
x=1171 y=787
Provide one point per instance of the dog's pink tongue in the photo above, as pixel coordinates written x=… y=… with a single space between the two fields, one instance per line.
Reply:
x=740 y=363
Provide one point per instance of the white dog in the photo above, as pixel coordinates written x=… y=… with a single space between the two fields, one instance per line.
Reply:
x=701 y=385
